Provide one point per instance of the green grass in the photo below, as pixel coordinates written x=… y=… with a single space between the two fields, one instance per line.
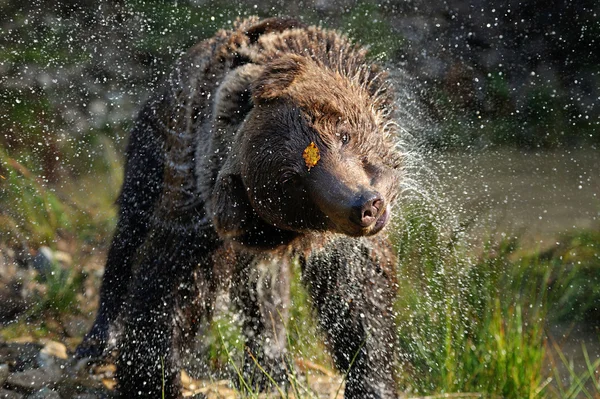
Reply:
x=574 y=384
x=477 y=324
x=62 y=285
x=35 y=212
x=30 y=212
x=574 y=292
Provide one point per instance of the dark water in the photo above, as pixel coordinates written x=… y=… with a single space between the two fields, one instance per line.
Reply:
x=536 y=195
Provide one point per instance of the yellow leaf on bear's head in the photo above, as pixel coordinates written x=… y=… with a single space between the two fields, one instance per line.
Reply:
x=311 y=155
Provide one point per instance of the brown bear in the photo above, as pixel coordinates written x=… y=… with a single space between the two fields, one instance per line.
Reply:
x=269 y=142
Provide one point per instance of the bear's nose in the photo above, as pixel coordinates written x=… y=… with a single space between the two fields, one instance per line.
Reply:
x=367 y=209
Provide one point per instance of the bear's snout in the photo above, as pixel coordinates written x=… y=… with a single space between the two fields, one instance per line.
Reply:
x=367 y=209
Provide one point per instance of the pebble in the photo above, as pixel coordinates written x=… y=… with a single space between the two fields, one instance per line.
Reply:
x=46 y=259
x=56 y=349
x=6 y=394
x=19 y=356
x=33 y=371
x=76 y=326
x=3 y=373
x=34 y=379
x=44 y=393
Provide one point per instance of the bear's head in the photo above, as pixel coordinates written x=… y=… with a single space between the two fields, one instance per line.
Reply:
x=315 y=153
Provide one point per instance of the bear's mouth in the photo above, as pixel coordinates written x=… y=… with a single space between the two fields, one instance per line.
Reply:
x=383 y=219
x=380 y=223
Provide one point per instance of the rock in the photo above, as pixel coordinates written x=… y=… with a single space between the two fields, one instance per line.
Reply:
x=3 y=373
x=108 y=370
x=56 y=349
x=53 y=356
x=6 y=394
x=34 y=379
x=46 y=361
x=77 y=326
x=76 y=380
x=80 y=367
x=44 y=393
x=19 y=356
x=13 y=291
x=42 y=262
x=63 y=258
x=46 y=259
x=12 y=302
x=95 y=394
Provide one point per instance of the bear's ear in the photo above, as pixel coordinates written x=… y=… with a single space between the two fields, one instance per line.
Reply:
x=275 y=24
x=231 y=209
x=277 y=77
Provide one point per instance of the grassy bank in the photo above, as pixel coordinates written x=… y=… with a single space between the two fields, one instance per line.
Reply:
x=479 y=323
x=469 y=319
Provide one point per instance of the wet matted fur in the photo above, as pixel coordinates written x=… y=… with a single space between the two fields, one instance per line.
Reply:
x=215 y=184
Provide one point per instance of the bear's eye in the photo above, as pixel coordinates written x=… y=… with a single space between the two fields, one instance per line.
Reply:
x=345 y=138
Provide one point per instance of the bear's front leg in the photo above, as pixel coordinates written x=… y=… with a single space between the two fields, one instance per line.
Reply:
x=352 y=283
x=261 y=290
x=141 y=188
x=164 y=307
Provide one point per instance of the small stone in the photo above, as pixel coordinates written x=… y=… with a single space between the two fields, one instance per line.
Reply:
x=34 y=379
x=3 y=373
x=52 y=355
x=95 y=394
x=105 y=370
x=55 y=349
x=6 y=394
x=80 y=367
x=76 y=326
x=12 y=300
x=109 y=383
x=44 y=393
x=46 y=259
x=42 y=262
x=19 y=356
x=63 y=258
